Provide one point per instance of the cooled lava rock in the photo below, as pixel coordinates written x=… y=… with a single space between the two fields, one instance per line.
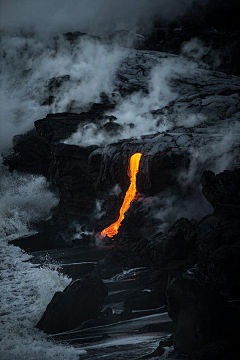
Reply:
x=223 y=188
x=43 y=240
x=75 y=179
x=108 y=317
x=114 y=262
x=82 y=300
x=145 y=299
x=31 y=154
x=218 y=234
x=175 y=244
x=200 y=315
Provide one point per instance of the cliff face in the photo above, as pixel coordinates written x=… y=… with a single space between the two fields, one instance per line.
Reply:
x=85 y=156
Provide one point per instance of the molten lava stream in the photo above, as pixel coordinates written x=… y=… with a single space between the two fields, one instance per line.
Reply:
x=129 y=197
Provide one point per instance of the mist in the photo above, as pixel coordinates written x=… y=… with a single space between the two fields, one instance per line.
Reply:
x=91 y=16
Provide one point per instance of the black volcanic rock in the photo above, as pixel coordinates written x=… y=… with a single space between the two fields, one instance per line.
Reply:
x=82 y=300
x=224 y=270
x=75 y=179
x=114 y=262
x=43 y=240
x=200 y=304
x=175 y=244
x=145 y=299
x=200 y=314
x=223 y=188
x=31 y=154
x=173 y=249
x=215 y=24
x=218 y=234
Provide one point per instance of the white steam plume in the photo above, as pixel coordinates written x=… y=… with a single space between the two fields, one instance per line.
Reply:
x=84 y=70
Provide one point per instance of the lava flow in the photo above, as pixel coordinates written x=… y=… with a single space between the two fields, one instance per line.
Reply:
x=129 y=197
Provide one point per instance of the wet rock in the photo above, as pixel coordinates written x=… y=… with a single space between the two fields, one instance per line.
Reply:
x=114 y=262
x=80 y=301
x=145 y=299
x=167 y=342
x=200 y=315
x=44 y=240
x=108 y=317
x=75 y=271
x=156 y=353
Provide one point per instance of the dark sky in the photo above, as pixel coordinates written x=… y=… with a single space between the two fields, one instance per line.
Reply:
x=92 y=16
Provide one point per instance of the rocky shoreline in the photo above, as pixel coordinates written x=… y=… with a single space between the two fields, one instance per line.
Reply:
x=172 y=272
x=192 y=269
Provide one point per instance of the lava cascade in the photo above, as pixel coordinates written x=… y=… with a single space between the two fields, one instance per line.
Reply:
x=129 y=197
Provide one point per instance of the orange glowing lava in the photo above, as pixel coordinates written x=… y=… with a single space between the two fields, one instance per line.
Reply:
x=129 y=197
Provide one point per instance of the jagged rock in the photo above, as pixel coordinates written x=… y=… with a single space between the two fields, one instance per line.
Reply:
x=223 y=188
x=213 y=233
x=200 y=315
x=80 y=301
x=75 y=178
x=218 y=234
x=31 y=154
x=175 y=244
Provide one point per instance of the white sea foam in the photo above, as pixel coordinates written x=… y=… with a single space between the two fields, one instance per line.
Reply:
x=25 y=293
x=23 y=199
x=26 y=289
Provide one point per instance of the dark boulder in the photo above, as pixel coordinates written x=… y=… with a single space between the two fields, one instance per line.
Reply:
x=175 y=244
x=224 y=270
x=114 y=262
x=218 y=234
x=223 y=188
x=200 y=314
x=31 y=154
x=82 y=300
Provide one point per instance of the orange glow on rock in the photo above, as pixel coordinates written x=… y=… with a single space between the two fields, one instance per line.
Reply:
x=129 y=197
